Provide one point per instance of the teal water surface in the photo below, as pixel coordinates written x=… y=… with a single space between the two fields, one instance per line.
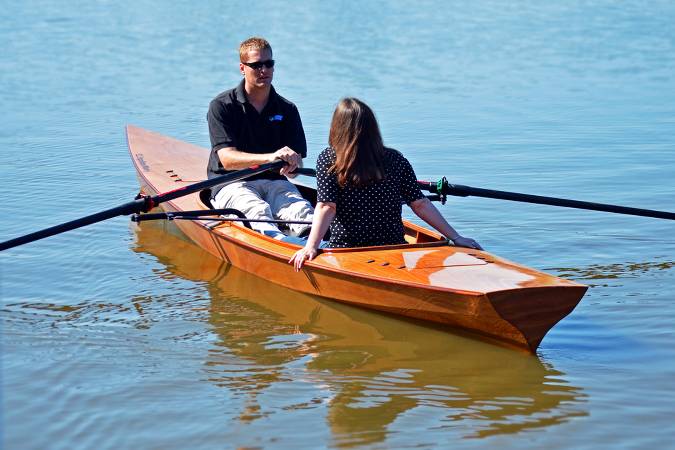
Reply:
x=119 y=337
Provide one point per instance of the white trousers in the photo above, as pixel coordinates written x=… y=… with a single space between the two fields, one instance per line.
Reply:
x=267 y=199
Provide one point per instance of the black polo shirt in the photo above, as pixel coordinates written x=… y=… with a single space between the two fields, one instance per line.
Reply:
x=234 y=122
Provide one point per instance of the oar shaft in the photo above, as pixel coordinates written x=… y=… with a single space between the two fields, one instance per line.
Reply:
x=141 y=204
x=125 y=209
x=466 y=191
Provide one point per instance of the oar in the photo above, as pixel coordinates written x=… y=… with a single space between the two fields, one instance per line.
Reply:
x=443 y=189
x=140 y=204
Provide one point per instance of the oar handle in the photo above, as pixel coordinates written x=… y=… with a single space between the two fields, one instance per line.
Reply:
x=307 y=171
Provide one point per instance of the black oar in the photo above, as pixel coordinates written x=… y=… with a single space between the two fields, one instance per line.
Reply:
x=142 y=204
x=443 y=189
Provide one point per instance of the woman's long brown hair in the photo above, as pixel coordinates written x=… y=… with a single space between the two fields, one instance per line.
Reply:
x=356 y=138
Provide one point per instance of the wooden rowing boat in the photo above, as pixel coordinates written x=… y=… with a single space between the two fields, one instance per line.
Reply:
x=425 y=279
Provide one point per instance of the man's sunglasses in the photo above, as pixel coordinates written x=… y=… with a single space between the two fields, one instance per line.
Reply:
x=259 y=64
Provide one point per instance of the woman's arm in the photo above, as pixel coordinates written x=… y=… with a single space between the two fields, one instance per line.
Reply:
x=324 y=213
x=426 y=211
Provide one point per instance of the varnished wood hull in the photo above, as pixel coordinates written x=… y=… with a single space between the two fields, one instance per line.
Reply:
x=428 y=280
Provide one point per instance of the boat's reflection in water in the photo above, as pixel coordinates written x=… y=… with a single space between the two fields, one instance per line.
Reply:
x=287 y=351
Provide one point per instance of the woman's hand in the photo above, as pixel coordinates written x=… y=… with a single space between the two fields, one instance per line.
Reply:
x=461 y=241
x=298 y=259
x=324 y=212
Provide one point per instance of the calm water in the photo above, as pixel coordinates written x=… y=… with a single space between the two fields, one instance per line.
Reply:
x=115 y=337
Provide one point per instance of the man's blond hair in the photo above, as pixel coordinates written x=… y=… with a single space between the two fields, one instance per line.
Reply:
x=253 y=43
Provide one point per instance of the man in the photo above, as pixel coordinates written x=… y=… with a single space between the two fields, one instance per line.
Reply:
x=250 y=125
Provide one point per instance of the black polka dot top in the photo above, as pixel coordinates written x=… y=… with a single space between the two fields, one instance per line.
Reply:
x=370 y=215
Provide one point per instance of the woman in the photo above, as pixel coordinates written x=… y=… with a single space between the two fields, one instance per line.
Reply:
x=361 y=186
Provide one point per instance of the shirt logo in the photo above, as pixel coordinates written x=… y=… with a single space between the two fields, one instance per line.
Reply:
x=277 y=117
